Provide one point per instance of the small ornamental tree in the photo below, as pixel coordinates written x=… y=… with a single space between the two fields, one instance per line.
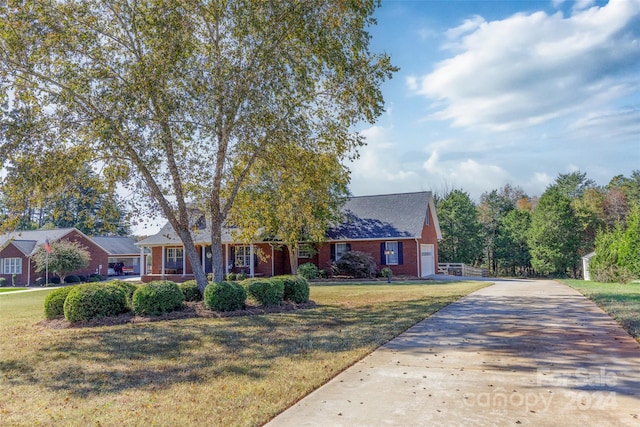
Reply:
x=65 y=257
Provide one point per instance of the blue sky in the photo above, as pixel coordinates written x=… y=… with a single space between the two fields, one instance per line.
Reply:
x=497 y=92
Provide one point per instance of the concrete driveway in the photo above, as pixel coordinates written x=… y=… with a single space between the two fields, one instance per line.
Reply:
x=520 y=352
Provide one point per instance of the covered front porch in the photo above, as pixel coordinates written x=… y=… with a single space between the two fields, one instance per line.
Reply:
x=169 y=262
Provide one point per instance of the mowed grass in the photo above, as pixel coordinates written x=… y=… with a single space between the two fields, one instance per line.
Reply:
x=2 y=290
x=233 y=371
x=622 y=302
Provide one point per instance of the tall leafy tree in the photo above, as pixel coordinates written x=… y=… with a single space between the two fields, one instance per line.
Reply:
x=573 y=184
x=292 y=197
x=80 y=200
x=65 y=257
x=461 y=232
x=554 y=237
x=180 y=99
x=512 y=248
x=493 y=208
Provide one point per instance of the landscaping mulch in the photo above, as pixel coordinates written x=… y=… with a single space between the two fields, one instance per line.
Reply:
x=189 y=311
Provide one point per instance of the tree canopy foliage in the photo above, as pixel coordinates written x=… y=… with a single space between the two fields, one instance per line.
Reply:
x=521 y=235
x=178 y=100
x=64 y=258
x=461 y=232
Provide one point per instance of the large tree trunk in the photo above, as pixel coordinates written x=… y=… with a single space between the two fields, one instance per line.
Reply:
x=293 y=257
x=194 y=259
x=217 y=260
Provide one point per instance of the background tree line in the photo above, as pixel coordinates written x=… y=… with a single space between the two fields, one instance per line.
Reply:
x=511 y=233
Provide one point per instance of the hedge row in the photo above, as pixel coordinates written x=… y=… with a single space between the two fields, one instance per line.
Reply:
x=96 y=300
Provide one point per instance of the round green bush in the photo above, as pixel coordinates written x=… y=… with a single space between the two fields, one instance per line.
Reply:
x=72 y=278
x=157 y=297
x=93 y=301
x=3 y=281
x=54 y=302
x=190 y=290
x=128 y=288
x=231 y=276
x=296 y=288
x=241 y=276
x=308 y=270
x=267 y=292
x=224 y=296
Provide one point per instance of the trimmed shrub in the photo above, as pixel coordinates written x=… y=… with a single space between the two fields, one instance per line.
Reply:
x=157 y=297
x=267 y=292
x=3 y=281
x=386 y=272
x=322 y=274
x=241 y=276
x=54 y=302
x=71 y=278
x=309 y=271
x=354 y=264
x=224 y=296
x=190 y=290
x=82 y=278
x=94 y=278
x=55 y=280
x=93 y=301
x=127 y=287
x=231 y=276
x=296 y=288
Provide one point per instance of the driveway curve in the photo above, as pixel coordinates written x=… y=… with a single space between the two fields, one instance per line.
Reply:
x=520 y=352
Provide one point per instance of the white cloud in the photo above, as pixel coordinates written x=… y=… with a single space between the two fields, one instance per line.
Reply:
x=469 y=174
x=379 y=169
x=529 y=69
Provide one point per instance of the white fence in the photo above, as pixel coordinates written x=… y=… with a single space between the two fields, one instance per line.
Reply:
x=460 y=269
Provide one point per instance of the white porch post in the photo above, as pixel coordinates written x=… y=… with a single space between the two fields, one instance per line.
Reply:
x=226 y=259
x=184 y=263
x=28 y=271
x=203 y=249
x=142 y=261
x=251 y=269
x=273 y=270
x=163 y=260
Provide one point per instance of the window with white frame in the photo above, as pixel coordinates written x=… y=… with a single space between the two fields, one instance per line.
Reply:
x=391 y=253
x=243 y=256
x=175 y=256
x=12 y=266
x=304 y=251
x=341 y=249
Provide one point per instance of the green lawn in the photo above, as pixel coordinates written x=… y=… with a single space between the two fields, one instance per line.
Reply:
x=11 y=289
x=622 y=302
x=204 y=371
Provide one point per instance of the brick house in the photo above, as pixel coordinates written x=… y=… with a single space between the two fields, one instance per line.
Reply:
x=17 y=248
x=399 y=230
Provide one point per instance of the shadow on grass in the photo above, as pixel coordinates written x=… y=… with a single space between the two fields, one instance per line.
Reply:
x=157 y=355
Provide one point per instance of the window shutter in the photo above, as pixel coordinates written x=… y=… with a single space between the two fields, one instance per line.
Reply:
x=255 y=260
x=1 y=265
x=348 y=247
x=400 y=253
x=233 y=256
x=333 y=252
x=383 y=257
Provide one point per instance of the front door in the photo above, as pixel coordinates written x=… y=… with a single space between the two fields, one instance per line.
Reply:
x=427 y=260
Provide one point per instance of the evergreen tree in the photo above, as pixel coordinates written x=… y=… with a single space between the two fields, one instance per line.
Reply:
x=461 y=232
x=554 y=237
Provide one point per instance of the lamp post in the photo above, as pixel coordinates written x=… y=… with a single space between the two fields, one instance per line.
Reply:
x=387 y=253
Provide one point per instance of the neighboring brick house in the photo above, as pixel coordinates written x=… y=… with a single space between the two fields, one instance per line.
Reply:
x=17 y=248
x=398 y=230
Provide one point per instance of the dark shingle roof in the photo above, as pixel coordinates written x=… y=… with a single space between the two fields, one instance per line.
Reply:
x=117 y=245
x=366 y=217
x=33 y=239
x=382 y=217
